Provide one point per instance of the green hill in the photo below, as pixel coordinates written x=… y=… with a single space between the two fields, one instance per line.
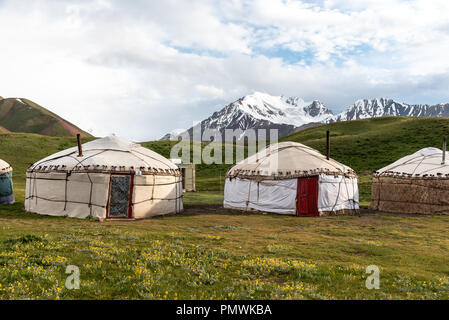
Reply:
x=371 y=144
x=23 y=115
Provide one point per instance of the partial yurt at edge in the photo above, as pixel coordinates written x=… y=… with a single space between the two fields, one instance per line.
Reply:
x=291 y=178
x=417 y=183
x=105 y=178
x=6 y=185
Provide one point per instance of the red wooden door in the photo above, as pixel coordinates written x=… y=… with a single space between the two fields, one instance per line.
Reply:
x=307 y=197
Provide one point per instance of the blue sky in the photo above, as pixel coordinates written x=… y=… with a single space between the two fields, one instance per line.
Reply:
x=143 y=68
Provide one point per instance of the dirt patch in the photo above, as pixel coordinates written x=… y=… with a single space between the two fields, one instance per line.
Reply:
x=201 y=209
x=72 y=130
x=4 y=129
x=370 y=212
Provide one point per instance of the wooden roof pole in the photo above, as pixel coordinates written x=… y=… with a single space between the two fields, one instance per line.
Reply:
x=444 y=151
x=80 y=149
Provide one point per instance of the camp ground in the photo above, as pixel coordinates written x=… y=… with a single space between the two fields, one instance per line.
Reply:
x=203 y=246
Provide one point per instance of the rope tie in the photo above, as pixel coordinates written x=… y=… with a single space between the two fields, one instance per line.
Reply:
x=65 y=192
x=249 y=195
x=90 y=195
x=152 y=189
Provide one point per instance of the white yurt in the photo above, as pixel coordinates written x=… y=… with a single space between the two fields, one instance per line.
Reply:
x=6 y=185
x=104 y=179
x=291 y=178
x=417 y=183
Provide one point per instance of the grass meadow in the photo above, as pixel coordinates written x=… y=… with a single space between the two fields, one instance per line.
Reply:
x=223 y=256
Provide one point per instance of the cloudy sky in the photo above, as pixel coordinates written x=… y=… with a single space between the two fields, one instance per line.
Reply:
x=141 y=68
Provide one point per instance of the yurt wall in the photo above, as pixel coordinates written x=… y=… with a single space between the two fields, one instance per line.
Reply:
x=410 y=195
x=417 y=183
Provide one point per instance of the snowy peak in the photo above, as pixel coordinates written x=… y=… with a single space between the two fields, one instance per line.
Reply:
x=382 y=107
x=368 y=108
x=281 y=110
x=260 y=110
x=318 y=110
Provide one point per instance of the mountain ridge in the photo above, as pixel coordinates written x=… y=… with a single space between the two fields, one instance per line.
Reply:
x=293 y=114
x=262 y=111
x=381 y=107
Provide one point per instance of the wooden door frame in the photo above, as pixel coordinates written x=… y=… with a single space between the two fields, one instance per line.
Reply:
x=130 y=198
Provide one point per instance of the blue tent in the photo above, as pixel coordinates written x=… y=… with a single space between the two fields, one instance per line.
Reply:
x=6 y=188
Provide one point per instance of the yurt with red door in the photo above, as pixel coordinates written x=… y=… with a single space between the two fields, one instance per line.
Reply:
x=291 y=178
x=108 y=178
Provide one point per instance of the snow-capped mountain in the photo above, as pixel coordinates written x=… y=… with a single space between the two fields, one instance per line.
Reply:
x=263 y=111
x=290 y=114
x=383 y=107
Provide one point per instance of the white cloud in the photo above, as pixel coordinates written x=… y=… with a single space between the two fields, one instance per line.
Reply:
x=141 y=69
x=209 y=91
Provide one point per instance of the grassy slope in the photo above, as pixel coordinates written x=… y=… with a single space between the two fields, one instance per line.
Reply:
x=228 y=256
x=371 y=144
x=33 y=118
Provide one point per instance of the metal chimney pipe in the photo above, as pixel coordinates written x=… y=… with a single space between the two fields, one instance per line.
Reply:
x=328 y=145
x=80 y=150
x=444 y=151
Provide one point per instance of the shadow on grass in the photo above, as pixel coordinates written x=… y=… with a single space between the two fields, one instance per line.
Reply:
x=17 y=211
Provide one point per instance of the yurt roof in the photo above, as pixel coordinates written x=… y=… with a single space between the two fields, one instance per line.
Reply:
x=4 y=167
x=425 y=162
x=107 y=154
x=293 y=160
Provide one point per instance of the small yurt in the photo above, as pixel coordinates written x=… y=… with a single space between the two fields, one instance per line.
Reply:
x=291 y=178
x=108 y=178
x=417 y=183
x=6 y=186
